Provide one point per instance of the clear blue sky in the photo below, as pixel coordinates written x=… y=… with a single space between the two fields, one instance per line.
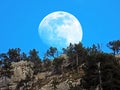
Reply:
x=19 y=21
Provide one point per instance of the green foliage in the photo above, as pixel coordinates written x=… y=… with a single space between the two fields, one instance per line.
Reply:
x=4 y=57
x=34 y=57
x=80 y=52
x=90 y=67
x=100 y=69
x=91 y=78
x=52 y=52
x=23 y=56
x=110 y=71
x=77 y=55
x=6 y=70
x=14 y=54
x=115 y=46
x=6 y=65
x=70 y=52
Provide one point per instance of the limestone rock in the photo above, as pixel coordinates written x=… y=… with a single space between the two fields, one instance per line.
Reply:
x=21 y=70
x=43 y=75
x=65 y=85
x=40 y=76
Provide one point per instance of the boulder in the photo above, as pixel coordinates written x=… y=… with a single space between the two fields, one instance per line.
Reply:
x=21 y=70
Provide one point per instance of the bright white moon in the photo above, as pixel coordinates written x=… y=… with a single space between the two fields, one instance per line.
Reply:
x=59 y=29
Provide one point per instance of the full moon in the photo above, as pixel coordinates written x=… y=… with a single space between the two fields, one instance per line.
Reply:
x=59 y=29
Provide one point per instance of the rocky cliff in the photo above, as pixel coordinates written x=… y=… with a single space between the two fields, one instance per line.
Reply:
x=23 y=78
x=21 y=70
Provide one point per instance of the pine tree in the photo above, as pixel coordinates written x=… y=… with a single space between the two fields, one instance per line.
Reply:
x=34 y=57
x=52 y=52
x=14 y=54
x=6 y=65
x=115 y=46
x=91 y=78
x=110 y=72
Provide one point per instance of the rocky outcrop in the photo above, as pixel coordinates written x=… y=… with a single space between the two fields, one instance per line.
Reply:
x=21 y=70
x=65 y=85
x=43 y=75
x=23 y=78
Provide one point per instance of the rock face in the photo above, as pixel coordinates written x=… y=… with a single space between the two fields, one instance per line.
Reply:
x=23 y=78
x=61 y=86
x=43 y=75
x=21 y=70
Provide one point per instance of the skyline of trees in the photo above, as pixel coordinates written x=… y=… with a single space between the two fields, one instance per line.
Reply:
x=100 y=69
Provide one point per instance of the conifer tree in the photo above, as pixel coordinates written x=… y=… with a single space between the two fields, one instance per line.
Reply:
x=115 y=46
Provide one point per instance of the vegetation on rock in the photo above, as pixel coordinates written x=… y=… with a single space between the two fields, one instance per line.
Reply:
x=93 y=67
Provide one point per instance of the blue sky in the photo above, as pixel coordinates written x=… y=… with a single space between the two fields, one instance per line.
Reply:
x=19 y=21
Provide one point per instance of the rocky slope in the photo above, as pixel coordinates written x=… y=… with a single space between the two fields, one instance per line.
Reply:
x=23 y=78
x=21 y=70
